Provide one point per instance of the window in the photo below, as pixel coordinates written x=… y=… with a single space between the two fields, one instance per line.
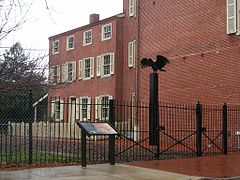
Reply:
x=102 y=107
x=105 y=65
x=55 y=47
x=86 y=68
x=70 y=42
x=69 y=72
x=132 y=8
x=87 y=37
x=72 y=109
x=233 y=16
x=85 y=107
x=106 y=32
x=133 y=110
x=54 y=75
x=57 y=109
x=131 y=54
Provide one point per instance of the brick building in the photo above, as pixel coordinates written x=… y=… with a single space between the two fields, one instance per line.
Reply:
x=101 y=60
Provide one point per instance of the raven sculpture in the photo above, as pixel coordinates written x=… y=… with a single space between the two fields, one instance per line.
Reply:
x=156 y=65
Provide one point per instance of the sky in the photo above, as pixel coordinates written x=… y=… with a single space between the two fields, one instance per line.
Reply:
x=57 y=16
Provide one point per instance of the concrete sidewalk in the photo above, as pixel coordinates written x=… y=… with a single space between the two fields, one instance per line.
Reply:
x=99 y=171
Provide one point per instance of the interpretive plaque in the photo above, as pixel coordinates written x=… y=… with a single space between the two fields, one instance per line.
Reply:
x=97 y=128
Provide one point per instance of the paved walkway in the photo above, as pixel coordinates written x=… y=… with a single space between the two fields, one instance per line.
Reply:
x=91 y=172
x=221 y=166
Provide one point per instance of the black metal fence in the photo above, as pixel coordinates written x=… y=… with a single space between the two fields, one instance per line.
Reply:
x=45 y=131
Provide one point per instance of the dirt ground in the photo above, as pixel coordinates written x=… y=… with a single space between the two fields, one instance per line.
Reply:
x=221 y=166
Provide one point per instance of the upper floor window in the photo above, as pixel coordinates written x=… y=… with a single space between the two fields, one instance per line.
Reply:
x=54 y=74
x=132 y=8
x=86 y=68
x=105 y=65
x=70 y=42
x=106 y=32
x=55 y=47
x=69 y=72
x=233 y=16
x=87 y=37
x=131 y=54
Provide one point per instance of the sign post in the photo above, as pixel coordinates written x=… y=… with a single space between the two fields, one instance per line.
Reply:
x=97 y=128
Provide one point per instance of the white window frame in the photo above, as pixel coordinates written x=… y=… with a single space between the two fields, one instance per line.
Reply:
x=55 y=45
x=72 y=109
x=87 y=108
x=85 y=37
x=133 y=110
x=100 y=65
x=57 y=114
x=99 y=106
x=238 y=17
x=54 y=74
x=104 y=38
x=233 y=22
x=68 y=43
x=132 y=54
x=132 y=8
x=82 y=68
x=65 y=72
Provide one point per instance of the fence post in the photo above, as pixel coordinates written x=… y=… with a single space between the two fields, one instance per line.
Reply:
x=83 y=149
x=199 y=129
x=112 y=137
x=153 y=111
x=30 y=121
x=224 y=128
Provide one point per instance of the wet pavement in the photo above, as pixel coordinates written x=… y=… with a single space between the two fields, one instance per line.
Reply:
x=93 y=172
x=221 y=166
x=202 y=168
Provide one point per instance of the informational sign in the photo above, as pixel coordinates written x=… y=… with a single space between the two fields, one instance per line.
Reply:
x=97 y=128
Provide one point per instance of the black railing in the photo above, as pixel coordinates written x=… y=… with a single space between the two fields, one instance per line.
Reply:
x=45 y=131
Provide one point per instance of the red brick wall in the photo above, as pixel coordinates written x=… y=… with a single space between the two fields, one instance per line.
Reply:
x=204 y=59
x=130 y=34
x=97 y=85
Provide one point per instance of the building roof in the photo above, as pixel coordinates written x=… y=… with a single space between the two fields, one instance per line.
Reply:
x=121 y=15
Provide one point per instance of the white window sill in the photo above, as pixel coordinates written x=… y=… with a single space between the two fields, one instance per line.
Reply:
x=86 y=44
x=107 y=39
x=53 y=53
x=85 y=79
x=106 y=76
x=69 y=49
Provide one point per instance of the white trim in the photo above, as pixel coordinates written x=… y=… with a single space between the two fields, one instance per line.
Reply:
x=67 y=43
x=103 y=33
x=84 y=37
x=238 y=17
x=91 y=68
x=73 y=71
x=51 y=74
x=40 y=100
x=100 y=64
x=231 y=20
x=53 y=47
x=80 y=67
x=132 y=8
